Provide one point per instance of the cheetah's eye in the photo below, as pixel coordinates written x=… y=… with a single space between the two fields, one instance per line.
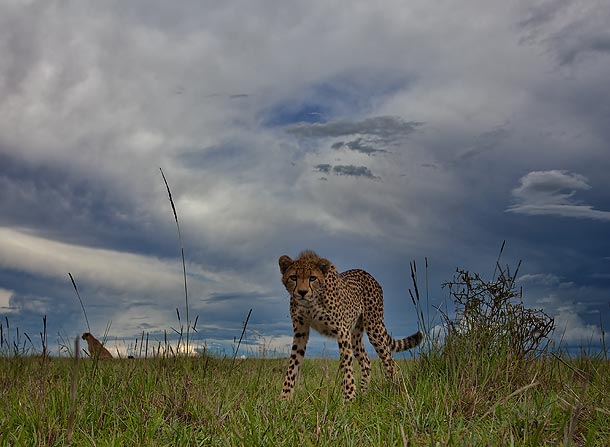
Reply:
x=313 y=278
x=292 y=277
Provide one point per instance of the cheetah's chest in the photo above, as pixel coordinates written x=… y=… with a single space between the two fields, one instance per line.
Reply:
x=329 y=316
x=324 y=323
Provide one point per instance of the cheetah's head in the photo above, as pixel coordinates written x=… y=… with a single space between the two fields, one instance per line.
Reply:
x=304 y=277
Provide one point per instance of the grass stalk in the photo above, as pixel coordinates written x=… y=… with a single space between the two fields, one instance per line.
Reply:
x=73 y=393
x=80 y=300
x=43 y=339
x=242 y=335
x=217 y=401
x=186 y=295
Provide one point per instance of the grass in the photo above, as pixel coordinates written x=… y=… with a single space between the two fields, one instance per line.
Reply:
x=210 y=401
x=488 y=377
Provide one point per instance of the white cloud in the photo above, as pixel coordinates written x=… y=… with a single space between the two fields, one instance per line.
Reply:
x=575 y=211
x=552 y=193
x=562 y=302
x=278 y=345
x=383 y=127
x=107 y=269
x=571 y=329
x=546 y=279
x=575 y=31
x=5 y=297
x=548 y=187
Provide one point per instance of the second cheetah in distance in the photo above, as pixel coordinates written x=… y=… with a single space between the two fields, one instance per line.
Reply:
x=95 y=347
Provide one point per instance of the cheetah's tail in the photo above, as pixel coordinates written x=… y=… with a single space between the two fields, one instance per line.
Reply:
x=406 y=343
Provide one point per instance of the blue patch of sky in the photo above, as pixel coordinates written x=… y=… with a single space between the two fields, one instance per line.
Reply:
x=296 y=112
x=212 y=156
x=333 y=99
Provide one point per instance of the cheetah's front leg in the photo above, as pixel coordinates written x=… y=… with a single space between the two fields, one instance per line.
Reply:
x=297 y=353
x=346 y=354
x=361 y=356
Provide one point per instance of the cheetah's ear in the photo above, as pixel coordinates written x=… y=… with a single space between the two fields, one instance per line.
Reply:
x=285 y=262
x=324 y=265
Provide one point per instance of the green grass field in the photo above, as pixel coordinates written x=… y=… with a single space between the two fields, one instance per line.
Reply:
x=489 y=377
x=211 y=401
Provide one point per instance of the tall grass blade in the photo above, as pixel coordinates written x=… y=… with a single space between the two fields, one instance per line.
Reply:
x=427 y=295
x=498 y=260
x=73 y=392
x=242 y=334
x=43 y=339
x=80 y=301
x=186 y=295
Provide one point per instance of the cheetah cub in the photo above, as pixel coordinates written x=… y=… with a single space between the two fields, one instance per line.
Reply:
x=341 y=306
x=95 y=347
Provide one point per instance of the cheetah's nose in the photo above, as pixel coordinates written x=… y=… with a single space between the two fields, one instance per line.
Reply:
x=302 y=293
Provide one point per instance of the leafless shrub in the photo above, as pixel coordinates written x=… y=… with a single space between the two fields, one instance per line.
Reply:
x=491 y=317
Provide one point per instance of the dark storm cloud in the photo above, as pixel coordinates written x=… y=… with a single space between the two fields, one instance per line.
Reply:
x=54 y=198
x=541 y=13
x=573 y=45
x=32 y=298
x=50 y=194
x=485 y=142
x=325 y=168
x=373 y=136
x=346 y=170
x=227 y=155
x=358 y=145
x=355 y=171
x=383 y=127
x=570 y=29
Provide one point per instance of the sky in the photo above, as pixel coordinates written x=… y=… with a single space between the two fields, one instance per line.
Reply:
x=375 y=133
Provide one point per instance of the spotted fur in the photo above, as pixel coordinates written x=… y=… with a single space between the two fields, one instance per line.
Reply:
x=341 y=306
